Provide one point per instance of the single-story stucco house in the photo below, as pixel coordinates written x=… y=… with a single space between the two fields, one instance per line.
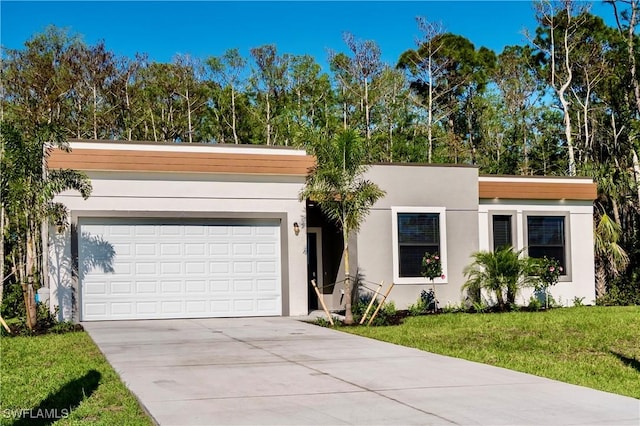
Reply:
x=201 y=230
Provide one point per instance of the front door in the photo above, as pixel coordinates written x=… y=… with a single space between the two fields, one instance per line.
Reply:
x=314 y=265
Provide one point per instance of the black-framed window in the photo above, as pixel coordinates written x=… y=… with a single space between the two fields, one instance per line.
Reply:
x=546 y=237
x=502 y=231
x=418 y=233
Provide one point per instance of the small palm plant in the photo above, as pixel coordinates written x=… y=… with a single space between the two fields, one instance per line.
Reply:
x=502 y=273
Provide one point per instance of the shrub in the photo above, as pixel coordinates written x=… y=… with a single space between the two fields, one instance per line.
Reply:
x=431 y=266
x=534 y=303
x=417 y=308
x=12 y=301
x=502 y=272
x=388 y=314
x=322 y=322
x=577 y=301
x=549 y=271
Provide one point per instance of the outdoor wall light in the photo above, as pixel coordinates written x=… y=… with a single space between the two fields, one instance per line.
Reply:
x=296 y=228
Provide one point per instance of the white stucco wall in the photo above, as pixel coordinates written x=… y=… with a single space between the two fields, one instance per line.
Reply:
x=580 y=250
x=203 y=196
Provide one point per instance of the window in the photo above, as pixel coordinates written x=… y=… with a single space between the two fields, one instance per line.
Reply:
x=502 y=231
x=416 y=231
x=546 y=236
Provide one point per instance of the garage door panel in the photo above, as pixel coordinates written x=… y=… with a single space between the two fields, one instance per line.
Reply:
x=168 y=287
x=243 y=267
x=220 y=285
x=193 y=249
x=121 y=287
x=243 y=249
x=196 y=287
x=114 y=230
x=198 y=307
x=267 y=285
x=181 y=270
x=147 y=308
x=168 y=268
x=146 y=268
x=121 y=308
x=98 y=288
x=145 y=231
x=219 y=249
x=123 y=249
x=194 y=230
x=145 y=249
x=146 y=287
x=243 y=306
x=266 y=304
x=170 y=249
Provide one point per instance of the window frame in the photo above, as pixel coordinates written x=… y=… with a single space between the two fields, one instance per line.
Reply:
x=442 y=219
x=567 y=237
x=514 y=227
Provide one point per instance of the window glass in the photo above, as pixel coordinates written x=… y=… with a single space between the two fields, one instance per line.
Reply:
x=418 y=233
x=546 y=237
x=502 y=232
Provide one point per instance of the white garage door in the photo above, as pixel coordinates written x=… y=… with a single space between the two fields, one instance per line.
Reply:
x=138 y=270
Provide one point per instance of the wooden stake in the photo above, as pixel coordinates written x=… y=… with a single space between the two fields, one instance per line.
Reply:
x=380 y=305
x=373 y=299
x=4 y=324
x=326 y=311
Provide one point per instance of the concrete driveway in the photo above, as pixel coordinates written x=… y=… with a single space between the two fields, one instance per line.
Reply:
x=259 y=371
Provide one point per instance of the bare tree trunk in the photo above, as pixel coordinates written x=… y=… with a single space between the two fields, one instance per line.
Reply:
x=233 y=115
x=344 y=108
x=128 y=104
x=2 y=227
x=153 y=126
x=189 y=125
x=27 y=285
x=367 y=112
x=633 y=19
x=95 y=113
x=430 y=112
x=268 y=120
x=601 y=281
x=565 y=105
x=525 y=148
x=636 y=171
x=348 y=314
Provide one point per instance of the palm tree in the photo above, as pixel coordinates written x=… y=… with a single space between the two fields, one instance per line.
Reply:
x=502 y=272
x=28 y=190
x=344 y=196
x=611 y=258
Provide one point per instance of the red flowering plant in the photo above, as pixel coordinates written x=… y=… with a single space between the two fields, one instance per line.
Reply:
x=548 y=275
x=432 y=266
x=432 y=269
x=550 y=271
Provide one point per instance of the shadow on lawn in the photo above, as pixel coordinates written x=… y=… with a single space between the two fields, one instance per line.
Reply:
x=59 y=404
x=628 y=361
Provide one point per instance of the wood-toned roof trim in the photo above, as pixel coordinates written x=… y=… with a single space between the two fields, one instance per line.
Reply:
x=542 y=190
x=191 y=162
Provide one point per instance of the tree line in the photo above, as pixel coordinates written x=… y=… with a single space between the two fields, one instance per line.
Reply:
x=566 y=102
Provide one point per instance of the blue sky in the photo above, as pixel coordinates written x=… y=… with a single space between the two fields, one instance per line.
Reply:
x=208 y=28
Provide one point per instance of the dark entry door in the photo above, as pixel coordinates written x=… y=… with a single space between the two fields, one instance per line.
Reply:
x=312 y=268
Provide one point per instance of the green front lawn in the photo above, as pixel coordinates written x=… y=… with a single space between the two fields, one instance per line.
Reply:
x=62 y=375
x=598 y=347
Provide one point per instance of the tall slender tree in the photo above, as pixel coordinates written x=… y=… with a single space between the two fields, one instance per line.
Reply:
x=28 y=191
x=343 y=194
